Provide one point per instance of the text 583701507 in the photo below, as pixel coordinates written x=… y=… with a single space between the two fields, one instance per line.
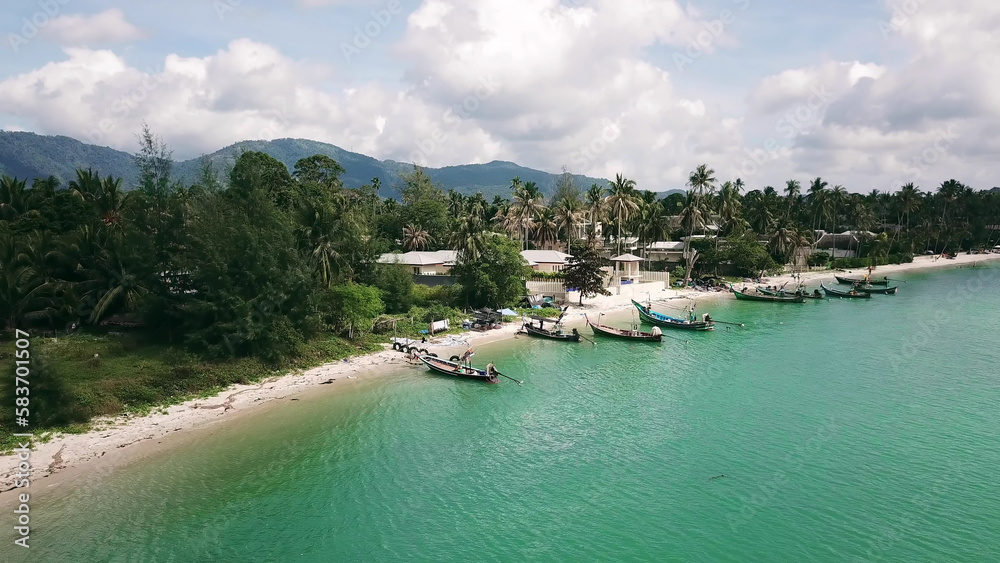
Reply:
x=22 y=361
x=22 y=372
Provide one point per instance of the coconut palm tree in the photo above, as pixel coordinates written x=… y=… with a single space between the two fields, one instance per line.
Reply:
x=793 y=190
x=702 y=180
x=468 y=238
x=596 y=207
x=547 y=228
x=818 y=201
x=728 y=206
x=692 y=218
x=622 y=203
x=784 y=240
x=13 y=198
x=758 y=212
x=568 y=212
x=415 y=237
x=909 y=200
x=456 y=203
x=533 y=191
x=526 y=209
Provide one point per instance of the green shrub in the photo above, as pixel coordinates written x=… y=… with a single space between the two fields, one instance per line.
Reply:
x=818 y=259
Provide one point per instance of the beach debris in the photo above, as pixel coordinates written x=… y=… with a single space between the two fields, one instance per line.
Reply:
x=328 y=381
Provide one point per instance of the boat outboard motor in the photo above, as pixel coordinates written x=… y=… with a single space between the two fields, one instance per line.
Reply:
x=656 y=331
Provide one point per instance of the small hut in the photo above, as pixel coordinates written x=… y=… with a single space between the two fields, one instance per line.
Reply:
x=627 y=267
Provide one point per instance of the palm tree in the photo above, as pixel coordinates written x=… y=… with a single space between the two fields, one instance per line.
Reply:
x=909 y=201
x=568 y=212
x=702 y=180
x=525 y=209
x=692 y=219
x=456 y=203
x=728 y=206
x=818 y=200
x=595 y=205
x=793 y=189
x=948 y=193
x=758 y=212
x=415 y=237
x=13 y=198
x=784 y=239
x=468 y=238
x=622 y=203
x=547 y=229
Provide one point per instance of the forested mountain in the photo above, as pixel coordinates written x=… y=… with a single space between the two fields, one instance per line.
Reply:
x=30 y=156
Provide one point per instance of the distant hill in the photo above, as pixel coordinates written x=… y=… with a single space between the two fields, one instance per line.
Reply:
x=28 y=155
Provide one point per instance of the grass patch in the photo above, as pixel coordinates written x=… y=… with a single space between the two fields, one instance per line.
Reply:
x=79 y=377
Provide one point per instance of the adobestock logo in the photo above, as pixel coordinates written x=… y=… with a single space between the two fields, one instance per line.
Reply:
x=583 y=158
x=363 y=36
x=792 y=123
x=453 y=117
x=30 y=27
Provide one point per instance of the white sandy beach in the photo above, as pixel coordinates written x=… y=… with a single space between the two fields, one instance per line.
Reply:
x=115 y=437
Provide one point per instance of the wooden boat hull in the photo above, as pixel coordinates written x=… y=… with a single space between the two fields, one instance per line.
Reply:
x=846 y=294
x=661 y=320
x=634 y=335
x=770 y=298
x=542 y=333
x=455 y=369
x=852 y=281
x=880 y=290
x=806 y=295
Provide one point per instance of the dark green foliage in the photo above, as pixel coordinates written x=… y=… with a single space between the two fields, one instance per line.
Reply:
x=252 y=287
x=495 y=279
x=584 y=271
x=350 y=306
x=397 y=287
x=425 y=205
x=819 y=259
x=256 y=171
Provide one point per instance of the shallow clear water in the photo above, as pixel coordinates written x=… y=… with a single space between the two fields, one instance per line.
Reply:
x=846 y=430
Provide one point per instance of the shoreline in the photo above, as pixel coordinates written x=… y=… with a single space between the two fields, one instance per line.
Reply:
x=117 y=440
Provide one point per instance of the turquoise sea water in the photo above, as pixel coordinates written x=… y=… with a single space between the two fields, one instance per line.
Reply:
x=846 y=431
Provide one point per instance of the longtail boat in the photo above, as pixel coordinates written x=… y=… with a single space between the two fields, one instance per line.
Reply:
x=762 y=297
x=854 y=294
x=458 y=370
x=654 y=336
x=880 y=290
x=807 y=295
x=852 y=281
x=533 y=330
x=659 y=319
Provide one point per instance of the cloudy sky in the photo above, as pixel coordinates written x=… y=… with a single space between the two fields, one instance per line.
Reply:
x=868 y=94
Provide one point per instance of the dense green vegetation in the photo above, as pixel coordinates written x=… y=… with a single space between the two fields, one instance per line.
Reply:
x=151 y=295
x=236 y=274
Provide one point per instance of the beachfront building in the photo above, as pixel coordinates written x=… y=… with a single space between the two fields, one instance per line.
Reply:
x=626 y=267
x=421 y=263
x=440 y=262
x=546 y=260
x=840 y=245
x=671 y=252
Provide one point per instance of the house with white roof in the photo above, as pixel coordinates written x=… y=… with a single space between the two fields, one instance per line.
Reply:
x=424 y=263
x=546 y=260
x=670 y=251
